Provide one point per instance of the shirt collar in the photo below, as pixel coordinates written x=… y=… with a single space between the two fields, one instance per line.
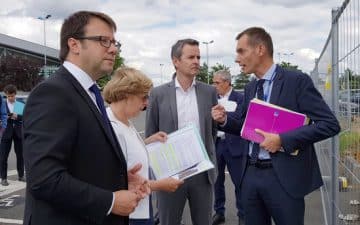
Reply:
x=227 y=94
x=10 y=103
x=80 y=75
x=269 y=73
x=177 y=84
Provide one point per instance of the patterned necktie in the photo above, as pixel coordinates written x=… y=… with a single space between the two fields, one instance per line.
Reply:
x=260 y=95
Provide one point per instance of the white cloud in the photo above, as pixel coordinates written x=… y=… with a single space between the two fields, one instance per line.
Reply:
x=309 y=53
x=147 y=29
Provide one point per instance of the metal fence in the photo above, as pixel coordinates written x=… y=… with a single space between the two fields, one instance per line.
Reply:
x=337 y=77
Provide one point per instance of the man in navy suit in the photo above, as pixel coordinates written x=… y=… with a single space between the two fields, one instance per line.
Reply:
x=276 y=180
x=13 y=132
x=76 y=171
x=228 y=151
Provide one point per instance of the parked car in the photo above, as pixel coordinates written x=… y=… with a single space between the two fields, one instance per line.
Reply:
x=344 y=108
x=355 y=98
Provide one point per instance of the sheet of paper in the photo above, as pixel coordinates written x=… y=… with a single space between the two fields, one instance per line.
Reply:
x=182 y=155
x=229 y=106
x=19 y=108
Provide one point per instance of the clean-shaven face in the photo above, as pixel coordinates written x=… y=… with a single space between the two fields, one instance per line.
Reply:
x=189 y=62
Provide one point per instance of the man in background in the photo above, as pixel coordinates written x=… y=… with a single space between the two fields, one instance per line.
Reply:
x=12 y=133
x=228 y=151
x=3 y=116
x=177 y=104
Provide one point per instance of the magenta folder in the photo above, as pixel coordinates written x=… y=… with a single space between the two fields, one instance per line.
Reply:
x=270 y=118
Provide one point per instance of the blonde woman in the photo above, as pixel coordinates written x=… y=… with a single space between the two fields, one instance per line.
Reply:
x=127 y=94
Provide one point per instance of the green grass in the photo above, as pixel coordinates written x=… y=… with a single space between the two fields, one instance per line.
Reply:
x=349 y=141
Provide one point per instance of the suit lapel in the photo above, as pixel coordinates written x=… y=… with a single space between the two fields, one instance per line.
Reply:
x=252 y=91
x=172 y=102
x=232 y=96
x=201 y=98
x=7 y=107
x=277 y=86
x=94 y=109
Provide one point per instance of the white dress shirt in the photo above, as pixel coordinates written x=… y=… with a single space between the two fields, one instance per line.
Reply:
x=10 y=105
x=187 y=106
x=83 y=78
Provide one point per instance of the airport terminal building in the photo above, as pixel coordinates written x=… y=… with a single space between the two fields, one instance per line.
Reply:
x=23 y=62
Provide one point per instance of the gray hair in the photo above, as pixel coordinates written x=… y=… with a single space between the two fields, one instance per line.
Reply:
x=224 y=74
x=176 y=49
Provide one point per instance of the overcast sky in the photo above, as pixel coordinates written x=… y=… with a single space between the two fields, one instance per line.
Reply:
x=148 y=28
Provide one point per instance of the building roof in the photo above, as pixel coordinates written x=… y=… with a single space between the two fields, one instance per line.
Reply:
x=27 y=46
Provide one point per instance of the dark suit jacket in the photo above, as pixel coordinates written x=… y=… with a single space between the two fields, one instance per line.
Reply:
x=13 y=127
x=299 y=175
x=73 y=162
x=232 y=141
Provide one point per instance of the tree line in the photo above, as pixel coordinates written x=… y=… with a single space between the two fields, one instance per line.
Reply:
x=26 y=73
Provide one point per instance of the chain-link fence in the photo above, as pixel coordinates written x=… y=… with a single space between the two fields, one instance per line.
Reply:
x=337 y=76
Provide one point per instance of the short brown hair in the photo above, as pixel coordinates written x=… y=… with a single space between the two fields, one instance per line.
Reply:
x=258 y=35
x=74 y=27
x=126 y=81
x=10 y=89
x=176 y=49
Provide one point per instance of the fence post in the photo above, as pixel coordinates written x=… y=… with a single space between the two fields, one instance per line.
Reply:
x=334 y=107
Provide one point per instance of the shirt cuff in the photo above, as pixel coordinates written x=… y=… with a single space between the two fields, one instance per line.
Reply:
x=112 y=204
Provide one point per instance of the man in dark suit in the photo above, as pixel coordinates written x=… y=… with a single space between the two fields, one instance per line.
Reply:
x=3 y=116
x=13 y=132
x=76 y=171
x=172 y=106
x=228 y=151
x=284 y=167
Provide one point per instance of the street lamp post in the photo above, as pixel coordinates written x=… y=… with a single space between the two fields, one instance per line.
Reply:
x=207 y=58
x=161 y=72
x=44 y=18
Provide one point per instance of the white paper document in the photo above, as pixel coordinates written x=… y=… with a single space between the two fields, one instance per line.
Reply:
x=229 y=106
x=183 y=155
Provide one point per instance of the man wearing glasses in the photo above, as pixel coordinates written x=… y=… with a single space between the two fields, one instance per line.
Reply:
x=76 y=171
x=228 y=152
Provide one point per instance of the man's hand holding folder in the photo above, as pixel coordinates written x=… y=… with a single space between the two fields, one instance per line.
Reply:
x=271 y=142
x=265 y=121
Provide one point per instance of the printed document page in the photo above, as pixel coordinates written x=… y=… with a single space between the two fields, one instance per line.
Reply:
x=181 y=156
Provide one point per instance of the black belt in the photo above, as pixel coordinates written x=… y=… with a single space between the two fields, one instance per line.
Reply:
x=260 y=163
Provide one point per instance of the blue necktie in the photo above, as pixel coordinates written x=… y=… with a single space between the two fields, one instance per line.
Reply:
x=100 y=103
x=260 y=95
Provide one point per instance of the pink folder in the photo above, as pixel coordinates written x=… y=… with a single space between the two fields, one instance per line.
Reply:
x=270 y=118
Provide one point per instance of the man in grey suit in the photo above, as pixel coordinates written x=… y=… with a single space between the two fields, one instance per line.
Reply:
x=172 y=106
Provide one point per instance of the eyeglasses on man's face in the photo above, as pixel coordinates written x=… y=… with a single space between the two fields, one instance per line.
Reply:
x=218 y=82
x=104 y=41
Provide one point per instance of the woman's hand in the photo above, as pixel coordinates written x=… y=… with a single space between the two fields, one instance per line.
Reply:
x=159 y=136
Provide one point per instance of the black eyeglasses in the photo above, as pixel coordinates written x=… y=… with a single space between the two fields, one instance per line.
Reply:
x=104 y=41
